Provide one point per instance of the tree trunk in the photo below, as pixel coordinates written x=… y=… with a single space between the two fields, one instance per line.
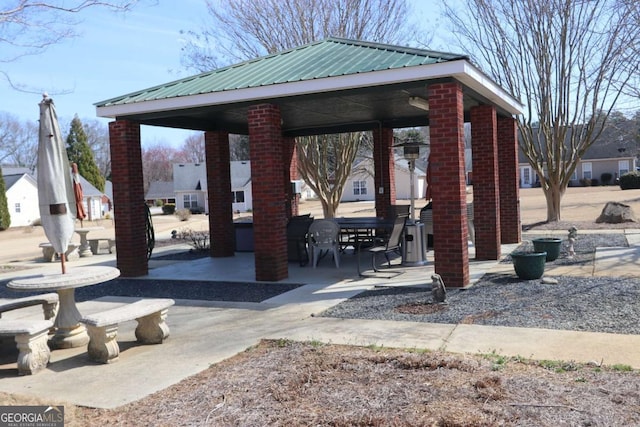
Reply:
x=553 y=196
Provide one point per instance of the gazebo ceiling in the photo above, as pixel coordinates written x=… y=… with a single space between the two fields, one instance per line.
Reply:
x=331 y=86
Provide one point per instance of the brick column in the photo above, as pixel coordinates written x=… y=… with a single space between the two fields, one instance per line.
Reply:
x=222 y=232
x=269 y=211
x=290 y=158
x=384 y=171
x=128 y=198
x=486 y=200
x=446 y=130
x=510 y=226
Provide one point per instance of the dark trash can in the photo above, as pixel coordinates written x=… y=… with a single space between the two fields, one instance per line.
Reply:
x=297 y=229
x=244 y=236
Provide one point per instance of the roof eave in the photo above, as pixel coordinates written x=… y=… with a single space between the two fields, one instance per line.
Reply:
x=461 y=70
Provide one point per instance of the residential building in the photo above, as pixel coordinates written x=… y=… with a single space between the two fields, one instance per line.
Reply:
x=190 y=186
x=160 y=190
x=600 y=159
x=360 y=185
x=22 y=197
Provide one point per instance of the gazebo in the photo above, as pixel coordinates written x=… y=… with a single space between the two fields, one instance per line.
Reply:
x=330 y=86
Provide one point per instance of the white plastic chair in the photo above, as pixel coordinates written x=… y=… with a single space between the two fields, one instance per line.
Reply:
x=324 y=235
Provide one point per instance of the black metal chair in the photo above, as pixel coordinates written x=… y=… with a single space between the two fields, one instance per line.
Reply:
x=391 y=244
x=297 y=229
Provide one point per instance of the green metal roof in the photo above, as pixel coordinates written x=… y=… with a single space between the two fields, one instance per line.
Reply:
x=328 y=58
x=331 y=86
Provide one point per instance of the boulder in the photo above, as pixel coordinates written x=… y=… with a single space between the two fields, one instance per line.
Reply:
x=616 y=213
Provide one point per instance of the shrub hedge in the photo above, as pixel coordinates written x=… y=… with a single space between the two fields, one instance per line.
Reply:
x=630 y=180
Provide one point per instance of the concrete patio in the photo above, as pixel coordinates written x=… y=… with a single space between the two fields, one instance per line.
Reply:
x=206 y=332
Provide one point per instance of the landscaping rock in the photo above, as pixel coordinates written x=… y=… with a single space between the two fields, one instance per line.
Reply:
x=616 y=213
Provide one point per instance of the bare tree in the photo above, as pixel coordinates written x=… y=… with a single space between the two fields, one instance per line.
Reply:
x=157 y=163
x=325 y=163
x=18 y=141
x=243 y=29
x=569 y=61
x=239 y=147
x=29 y=27
x=98 y=139
x=192 y=149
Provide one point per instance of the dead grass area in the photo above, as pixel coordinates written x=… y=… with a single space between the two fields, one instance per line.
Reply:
x=281 y=383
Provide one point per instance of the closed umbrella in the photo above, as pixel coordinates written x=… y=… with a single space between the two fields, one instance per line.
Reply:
x=55 y=189
x=77 y=193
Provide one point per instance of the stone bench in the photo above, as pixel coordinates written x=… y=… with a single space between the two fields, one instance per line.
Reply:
x=103 y=327
x=48 y=301
x=50 y=254
x=31 y=339
x=94 y=244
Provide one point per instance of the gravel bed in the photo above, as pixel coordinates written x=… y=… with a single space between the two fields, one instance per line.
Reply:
x=595 y=304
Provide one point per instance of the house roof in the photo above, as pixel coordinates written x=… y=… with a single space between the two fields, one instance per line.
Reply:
x=240 y=174
x=328 y=86
x=160 y=190
x=88 y=190
x=10 y=180
x=15 y=170
x=605 y=147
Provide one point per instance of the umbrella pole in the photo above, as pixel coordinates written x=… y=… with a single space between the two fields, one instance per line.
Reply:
x=62 y=259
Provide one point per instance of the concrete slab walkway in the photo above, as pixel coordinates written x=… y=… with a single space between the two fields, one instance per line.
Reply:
x=204 y=333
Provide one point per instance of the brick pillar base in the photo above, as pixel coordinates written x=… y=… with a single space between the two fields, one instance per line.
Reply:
x=510 y=227
x=385 y=177
x=221 y=229
x=446 y=131
x=269 y=198
x=486 y=202
x=128 y=198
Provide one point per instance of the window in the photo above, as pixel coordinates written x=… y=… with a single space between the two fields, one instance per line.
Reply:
x=586 y=170
x=17 y=208
x=359 y=188
x=190 y=200
x=238 y=196
x=623 y=167
x=574 y=176
x=526 y=172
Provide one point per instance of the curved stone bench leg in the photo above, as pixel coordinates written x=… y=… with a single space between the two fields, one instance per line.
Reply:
x=95 y=246
x=152 y=329
x=34 y=353
x=103 y=347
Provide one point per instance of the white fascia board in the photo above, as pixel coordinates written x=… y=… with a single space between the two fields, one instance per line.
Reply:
x=485 y=86
x=461 y=70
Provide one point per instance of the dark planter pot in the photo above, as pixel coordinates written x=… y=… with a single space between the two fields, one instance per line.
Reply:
x=550 y=245
x=529 y=265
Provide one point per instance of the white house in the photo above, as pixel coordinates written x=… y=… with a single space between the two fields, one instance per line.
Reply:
x=360 y=185
x=22 y=199
x=241 y=186
x=91 y=199
x=190 y=186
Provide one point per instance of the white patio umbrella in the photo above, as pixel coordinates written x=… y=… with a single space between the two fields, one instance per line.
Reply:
x=55 y=188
